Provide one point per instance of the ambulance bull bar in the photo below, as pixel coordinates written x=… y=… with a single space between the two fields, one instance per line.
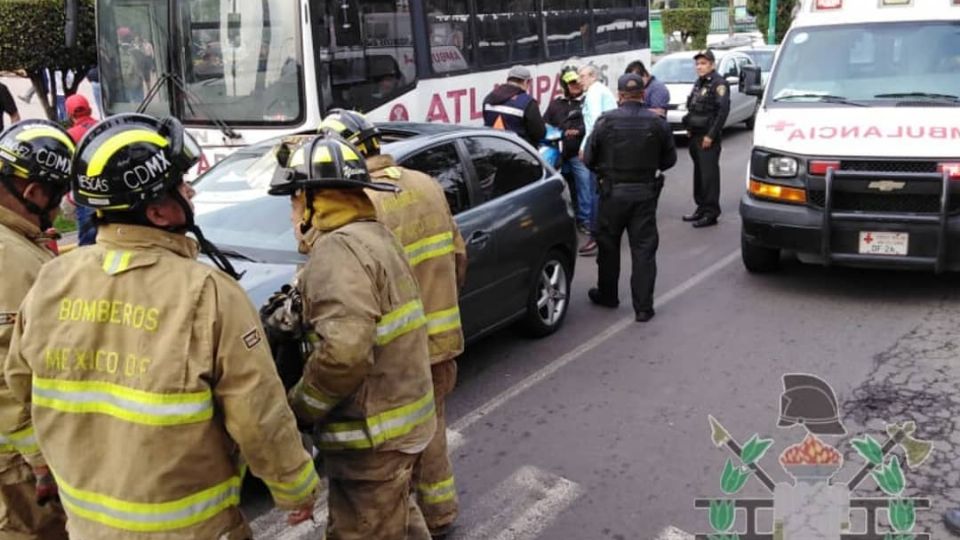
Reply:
x=830 y=216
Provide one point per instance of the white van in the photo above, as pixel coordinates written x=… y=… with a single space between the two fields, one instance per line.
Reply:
x=856 y=156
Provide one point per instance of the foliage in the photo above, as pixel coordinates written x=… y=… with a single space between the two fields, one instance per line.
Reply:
x=761 y=10
x=692 y=24
x=64 y=225
x=33 y=40
x=696 y=4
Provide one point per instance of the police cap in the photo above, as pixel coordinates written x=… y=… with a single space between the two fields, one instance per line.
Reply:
x=707 y=54
x=630 y=82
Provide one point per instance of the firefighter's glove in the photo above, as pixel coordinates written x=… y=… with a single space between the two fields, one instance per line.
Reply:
x=46 y=486
x=282 y=314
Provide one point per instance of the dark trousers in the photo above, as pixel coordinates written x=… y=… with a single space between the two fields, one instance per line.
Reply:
x=706 y=176
x=630 y=207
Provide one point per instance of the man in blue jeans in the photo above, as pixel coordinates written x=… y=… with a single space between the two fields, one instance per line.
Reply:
x=597 y=100
x=565 y=114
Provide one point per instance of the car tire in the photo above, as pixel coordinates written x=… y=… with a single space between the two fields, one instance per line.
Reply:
x=549 y=298
x=758 y=259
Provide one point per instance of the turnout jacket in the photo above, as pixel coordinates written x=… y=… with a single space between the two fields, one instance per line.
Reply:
x=23 y=250
x=150 y=385
x=420 y=218
x=367 y=379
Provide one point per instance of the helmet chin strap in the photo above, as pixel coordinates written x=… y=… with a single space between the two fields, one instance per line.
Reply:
x=42 y=213
x=206 y=247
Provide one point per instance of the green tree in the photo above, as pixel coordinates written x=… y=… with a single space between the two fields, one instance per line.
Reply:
x=33 y=40
x=693 y=24
x=761 y=10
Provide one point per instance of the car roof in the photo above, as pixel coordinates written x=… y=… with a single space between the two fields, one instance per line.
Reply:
x=718 y=53
x=749 y=48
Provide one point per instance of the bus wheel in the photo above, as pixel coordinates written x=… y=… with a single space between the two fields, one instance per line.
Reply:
x=758 y=259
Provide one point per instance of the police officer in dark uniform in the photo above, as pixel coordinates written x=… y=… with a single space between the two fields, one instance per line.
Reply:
x=708 y=106
x=628 y=149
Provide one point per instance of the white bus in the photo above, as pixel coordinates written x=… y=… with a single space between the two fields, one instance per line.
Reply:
x=237 y=72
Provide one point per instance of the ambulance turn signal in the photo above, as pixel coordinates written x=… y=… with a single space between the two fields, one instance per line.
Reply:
x=776 y=192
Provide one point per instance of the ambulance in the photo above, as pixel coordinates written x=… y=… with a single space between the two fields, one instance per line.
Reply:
x=856 y=150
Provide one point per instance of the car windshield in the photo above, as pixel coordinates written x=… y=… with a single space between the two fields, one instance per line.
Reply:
x=764 y=59
x=875 y=64
x=675 y=70
x=235 y=212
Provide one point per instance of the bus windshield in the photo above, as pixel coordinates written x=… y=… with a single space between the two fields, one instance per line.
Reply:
x=869 y=64
x=241 y=60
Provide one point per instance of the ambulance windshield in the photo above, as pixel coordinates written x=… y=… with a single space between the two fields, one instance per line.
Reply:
x=910 y=63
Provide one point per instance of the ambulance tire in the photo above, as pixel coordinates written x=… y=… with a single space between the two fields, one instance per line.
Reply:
x=549 y=298
x=752 y=121
x=759 y=259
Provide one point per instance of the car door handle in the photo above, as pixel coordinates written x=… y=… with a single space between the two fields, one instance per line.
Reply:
x=479 y=238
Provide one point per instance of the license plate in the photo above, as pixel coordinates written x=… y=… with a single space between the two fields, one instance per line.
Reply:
x=884 y=243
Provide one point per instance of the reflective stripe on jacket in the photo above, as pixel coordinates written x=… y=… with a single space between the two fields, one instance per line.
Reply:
x=152 y=388
x=420 y=218
x=367 y=379
x=22 y=252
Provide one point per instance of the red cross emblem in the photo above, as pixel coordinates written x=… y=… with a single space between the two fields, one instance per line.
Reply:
x=780 y=126
x=868 y=239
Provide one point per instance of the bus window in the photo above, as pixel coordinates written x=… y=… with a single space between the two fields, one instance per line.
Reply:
x=451 y=46
x=132 y=42
x=371 y=58
x=243 y=62
x=508 y=32
x=616 y=26
x=568 y=28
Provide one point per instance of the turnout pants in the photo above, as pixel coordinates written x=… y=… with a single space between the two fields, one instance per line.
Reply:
x=370 y=497
x=706 y=176
x=21 y=518
x=433 y=475
x=630 y=207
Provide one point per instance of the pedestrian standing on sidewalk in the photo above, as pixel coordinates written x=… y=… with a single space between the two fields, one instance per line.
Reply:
x=629 y=149
x=80 y=115
x=420 y=218
x=597 y=100
x=8 y=106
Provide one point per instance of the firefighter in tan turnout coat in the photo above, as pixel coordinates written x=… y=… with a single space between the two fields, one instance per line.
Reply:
x=366 y=384
x=420 y=218
x=35 y=158
x=152 y=387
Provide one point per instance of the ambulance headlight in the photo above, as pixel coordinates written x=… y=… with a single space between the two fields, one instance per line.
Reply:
x=782 y=167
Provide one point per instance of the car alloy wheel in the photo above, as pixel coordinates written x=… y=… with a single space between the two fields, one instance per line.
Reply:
x=550 y=295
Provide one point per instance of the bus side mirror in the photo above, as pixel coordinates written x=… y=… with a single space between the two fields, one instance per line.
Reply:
x=750 y=81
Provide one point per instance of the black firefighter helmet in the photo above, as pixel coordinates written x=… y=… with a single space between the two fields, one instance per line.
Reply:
x=809 y=401
x=318 y=162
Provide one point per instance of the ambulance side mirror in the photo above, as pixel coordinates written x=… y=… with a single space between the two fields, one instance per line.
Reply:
x=751 y=82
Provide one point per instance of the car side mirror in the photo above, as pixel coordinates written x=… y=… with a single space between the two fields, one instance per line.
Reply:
x=750 y=82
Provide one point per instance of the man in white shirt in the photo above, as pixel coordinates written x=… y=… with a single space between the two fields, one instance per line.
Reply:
x=597 y=100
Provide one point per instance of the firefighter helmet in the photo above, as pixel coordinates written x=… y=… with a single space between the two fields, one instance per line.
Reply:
x=809 y=401
x=38 y=151
x=318 y=162
x=354 y=128
x=130 y=159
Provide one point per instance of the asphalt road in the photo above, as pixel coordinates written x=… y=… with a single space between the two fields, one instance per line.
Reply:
x=601 y=431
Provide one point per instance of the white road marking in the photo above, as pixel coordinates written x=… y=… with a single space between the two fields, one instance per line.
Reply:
x=455 y=441
x=520 y=508
x=480 y=412
x=673 y=533
x=273 y=524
